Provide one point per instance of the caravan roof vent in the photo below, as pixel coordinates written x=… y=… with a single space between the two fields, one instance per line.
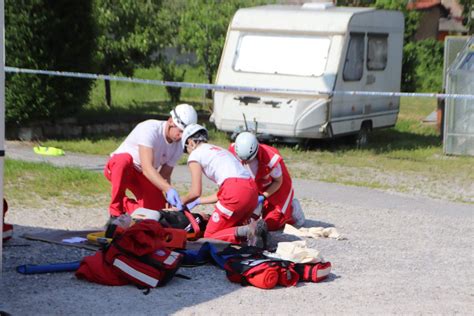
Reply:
x=317 y=5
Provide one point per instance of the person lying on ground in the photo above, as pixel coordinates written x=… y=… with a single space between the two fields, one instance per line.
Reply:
x=143 y=163
x=275 y=188
x=237 y=196
x=166 y=217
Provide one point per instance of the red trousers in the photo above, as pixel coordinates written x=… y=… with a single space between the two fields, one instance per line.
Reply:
x=277 y=209
x=123 y=175
x=237 y=198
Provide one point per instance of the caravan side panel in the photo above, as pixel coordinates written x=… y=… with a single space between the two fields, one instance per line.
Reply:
x=371 y=61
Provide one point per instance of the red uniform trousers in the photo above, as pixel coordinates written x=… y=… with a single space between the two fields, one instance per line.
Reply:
x=237 y=198
x=123 y=175
x=277 y=209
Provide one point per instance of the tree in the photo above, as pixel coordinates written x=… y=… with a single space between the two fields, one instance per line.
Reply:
x=171 y=72
x=422 y=60
x=127 y=36
x=203 y=29
x=468 y=14
x=168 y=28
x=51 y=35
x=423 y=66
x=412 y=17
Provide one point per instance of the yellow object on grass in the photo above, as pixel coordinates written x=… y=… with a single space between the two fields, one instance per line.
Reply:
x=98 y=238
x=48 y=151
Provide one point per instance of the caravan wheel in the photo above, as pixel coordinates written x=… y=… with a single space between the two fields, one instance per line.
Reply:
x=362 y=138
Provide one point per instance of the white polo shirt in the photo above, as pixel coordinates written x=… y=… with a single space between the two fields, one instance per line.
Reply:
x=151 y=133
x=217 y=163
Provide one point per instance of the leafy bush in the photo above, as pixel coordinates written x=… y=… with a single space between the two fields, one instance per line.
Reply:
x=128 y=33
x=423 y=66
x=52 y=35
x=204 y=26
x=171 y=72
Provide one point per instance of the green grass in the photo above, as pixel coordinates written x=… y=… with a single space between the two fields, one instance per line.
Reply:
x=93 y=146
x=410 y=145
x=36 y=184
x=145 y=98
x=410 y=150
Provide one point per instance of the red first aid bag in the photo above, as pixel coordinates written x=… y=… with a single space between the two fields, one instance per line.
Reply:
x=137 y=256
x=94 y=269
x=140 y=256
x=148 y=271
x=261 y=273
x=313 y=272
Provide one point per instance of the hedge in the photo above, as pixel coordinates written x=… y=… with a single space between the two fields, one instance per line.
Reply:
x=52 y=35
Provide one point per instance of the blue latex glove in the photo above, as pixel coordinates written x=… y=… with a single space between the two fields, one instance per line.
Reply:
x=261 y=198
x=172 y=197
x=193 y=204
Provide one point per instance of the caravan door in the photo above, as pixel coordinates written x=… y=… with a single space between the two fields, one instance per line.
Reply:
x=367 y=66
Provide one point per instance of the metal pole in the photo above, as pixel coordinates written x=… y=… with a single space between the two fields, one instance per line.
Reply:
x=2 y=121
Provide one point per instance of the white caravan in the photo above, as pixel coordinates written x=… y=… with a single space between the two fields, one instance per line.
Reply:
x=317 y=47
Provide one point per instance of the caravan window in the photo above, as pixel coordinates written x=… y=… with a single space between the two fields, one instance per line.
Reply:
x=288 y=55
x=354 y=64
x=377 y=48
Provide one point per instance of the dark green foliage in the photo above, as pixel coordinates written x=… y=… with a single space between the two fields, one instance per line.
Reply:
x=168 y=28
x=422 y=69
x=171 y=72
x=51 y=35
x=468 y=14
x=204 y=26
x=423 y=66
x=412 y=17
x=128 y=35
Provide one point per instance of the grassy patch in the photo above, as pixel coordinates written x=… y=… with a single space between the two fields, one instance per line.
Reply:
x=409 y=146
x=37 y=184
x=144 y=98
x=93 y=146
x=402 y=158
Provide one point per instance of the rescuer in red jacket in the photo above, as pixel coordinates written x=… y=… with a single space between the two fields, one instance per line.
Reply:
x=275 y=188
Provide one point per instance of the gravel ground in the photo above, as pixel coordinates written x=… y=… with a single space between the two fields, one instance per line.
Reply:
x=404 y=254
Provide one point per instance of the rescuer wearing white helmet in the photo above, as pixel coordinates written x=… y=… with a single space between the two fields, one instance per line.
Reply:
x=237 y=196
x=143 y=163
x=275 y=188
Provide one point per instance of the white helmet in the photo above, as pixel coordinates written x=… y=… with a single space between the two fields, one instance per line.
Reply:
x=246 y=146
x=183 y=115
x=190 y=131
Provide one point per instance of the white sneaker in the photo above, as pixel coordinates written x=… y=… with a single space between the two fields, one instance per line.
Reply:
x=298 y=215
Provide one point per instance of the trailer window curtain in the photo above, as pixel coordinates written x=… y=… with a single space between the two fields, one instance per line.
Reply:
x=377 y=50
x=354 y=64
x=280 y=54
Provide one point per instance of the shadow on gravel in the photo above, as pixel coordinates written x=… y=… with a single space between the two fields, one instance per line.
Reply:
x=62 y=291
x=316 y=223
